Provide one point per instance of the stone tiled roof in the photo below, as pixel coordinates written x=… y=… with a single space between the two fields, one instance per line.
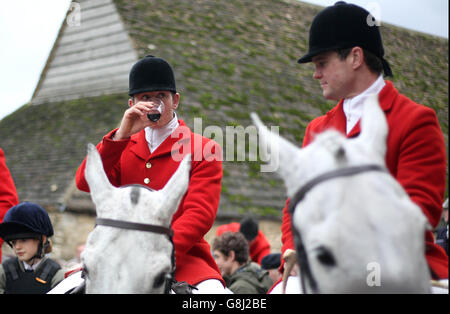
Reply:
x=44 y=144
x=230 y=58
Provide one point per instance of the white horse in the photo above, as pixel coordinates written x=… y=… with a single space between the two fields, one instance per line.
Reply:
x=355 y=228
x=130 y=250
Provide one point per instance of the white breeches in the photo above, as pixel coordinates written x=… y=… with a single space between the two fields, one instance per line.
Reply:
x=211 y=286
x=292 y=287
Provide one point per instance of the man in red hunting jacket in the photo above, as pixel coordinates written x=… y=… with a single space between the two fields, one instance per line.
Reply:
x=347 y=53
x=141 y=151
x=8 y=194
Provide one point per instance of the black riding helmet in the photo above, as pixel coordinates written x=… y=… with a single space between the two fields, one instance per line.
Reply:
x=151 y=74
x=342 y=26
x=26 y=221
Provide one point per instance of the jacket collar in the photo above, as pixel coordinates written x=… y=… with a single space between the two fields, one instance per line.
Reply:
x=336 y=116
x=156 y=137
x=141 y=149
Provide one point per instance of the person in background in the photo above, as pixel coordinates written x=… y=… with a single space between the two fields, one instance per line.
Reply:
x=230 y=250
x=27 y=229
x=271 y=263
x=257 y=241
x=8 y=194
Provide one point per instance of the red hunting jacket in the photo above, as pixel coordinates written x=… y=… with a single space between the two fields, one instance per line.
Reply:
x=130 y=162
x=258 y=248
x=415 y=156
x=8 y=194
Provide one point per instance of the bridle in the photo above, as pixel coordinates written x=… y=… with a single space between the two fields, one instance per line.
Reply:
x=305 y=269
x=147 y=228
x=134 y=226
x=338 y=173
x=121 y=224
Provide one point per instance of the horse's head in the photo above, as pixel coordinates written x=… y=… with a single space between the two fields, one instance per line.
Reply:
x=354 y=232
x=120 y=260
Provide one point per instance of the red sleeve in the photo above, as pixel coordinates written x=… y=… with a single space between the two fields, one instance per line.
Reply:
x=421 y=167
x=110 y=152
x=198 y=209
x=8 y=194
x=287 y=239
x=421 y=170
x=308 y=134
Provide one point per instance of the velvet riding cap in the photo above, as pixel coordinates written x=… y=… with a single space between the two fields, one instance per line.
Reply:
x=344 y=26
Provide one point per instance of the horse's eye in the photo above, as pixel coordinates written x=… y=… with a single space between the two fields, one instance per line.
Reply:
x=325 y=256
x=159 y=280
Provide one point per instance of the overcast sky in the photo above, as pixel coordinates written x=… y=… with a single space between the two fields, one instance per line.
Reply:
x=28 y=29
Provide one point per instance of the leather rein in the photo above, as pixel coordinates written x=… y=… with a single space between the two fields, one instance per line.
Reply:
x=305 y=269
x=133 y=226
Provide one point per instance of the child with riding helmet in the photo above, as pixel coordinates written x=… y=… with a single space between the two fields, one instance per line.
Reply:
x=27 y=229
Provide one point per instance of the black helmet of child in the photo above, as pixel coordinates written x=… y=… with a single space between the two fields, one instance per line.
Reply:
x=25 y=220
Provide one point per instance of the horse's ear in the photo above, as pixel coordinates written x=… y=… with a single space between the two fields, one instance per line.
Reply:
x=96 y=178
x=176 y=187
x=283 y=156
x=374 y=127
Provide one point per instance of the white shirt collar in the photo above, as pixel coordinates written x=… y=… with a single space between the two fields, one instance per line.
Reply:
x=155 y=137
x=353 y=107
x=33 y=267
